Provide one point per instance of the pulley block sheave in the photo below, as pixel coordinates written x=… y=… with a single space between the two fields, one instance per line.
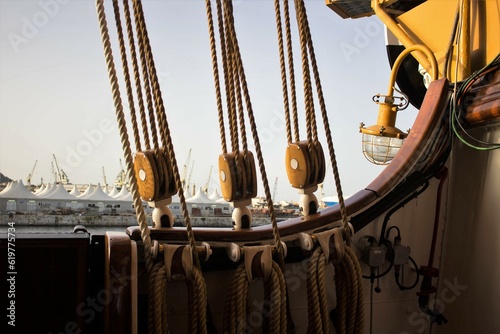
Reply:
x=305 y=164
x=154 y=175
x=237 y=176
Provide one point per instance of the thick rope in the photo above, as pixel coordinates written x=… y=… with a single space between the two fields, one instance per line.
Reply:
x=308 y=96
x=349 y=291
x=166 y=138
x=157 y=275
x=115 y=88
x=326 y=124
x=284 y=83
x=126 y=74
x=146 y=78
x=197 y=301
x=237 y=309
x=137 y=75
x=291 y=69
x=215 y=67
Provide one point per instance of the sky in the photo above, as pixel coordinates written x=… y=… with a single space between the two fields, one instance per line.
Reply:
x=55 y=97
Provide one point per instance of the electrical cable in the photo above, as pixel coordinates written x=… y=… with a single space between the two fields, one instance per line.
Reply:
x=399 y=206
x=417 y=279
x=456 y=101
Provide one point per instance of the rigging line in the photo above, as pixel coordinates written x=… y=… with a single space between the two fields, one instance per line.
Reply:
x=166 y=133
x=126 y=73
x=141 y=217
x=222 y=37
x=145 y=76
x=241 y=116
x=326 y=123
x=151 y=69
x=284 y=84
x=253 y=126
x=309 y=105
x=229 y=78
x=291 y=69
x=308 y=45
x=232 y=87
x=137 y=76
x=215 y=67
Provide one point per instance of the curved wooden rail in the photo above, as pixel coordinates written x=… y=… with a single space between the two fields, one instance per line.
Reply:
x=417 y=145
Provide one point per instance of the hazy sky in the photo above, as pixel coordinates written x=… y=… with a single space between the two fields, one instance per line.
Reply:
x=55 y=96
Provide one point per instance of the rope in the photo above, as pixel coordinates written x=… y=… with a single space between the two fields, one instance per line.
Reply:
x=215 y=67
x=137 y=75
x=126 y=73
x=237 y=309
x=146 y=79
x=326 y=123
x=165 y=131
x=197 y=301
x=284 y=83
x=120 y=117
x=157 y=274
x=348 y=315
x=291 y=69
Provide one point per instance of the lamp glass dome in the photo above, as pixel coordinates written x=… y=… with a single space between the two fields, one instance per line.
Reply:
x=380 y=150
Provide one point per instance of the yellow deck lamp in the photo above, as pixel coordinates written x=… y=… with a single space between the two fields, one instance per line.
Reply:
x=382 y=141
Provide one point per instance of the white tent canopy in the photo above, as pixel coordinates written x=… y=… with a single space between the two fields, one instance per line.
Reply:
x=123 y=192
x=200 y=197
x=39 y=190
x=114 y=191
x=18 y=191
x=75 y=192
x=9 y=185
x=97 y=195
x=87 y=192
x=214 y=196
x=60 y=193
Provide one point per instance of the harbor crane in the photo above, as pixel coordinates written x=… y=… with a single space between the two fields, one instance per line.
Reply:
x=30 y=175
x=185 y=170
x=275 y=189
x=59 y=175
x=189 y=181
x=205 y=188
x=121 y=178
x=104 y=178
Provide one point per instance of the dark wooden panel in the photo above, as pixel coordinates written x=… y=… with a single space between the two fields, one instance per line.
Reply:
x=50 y=282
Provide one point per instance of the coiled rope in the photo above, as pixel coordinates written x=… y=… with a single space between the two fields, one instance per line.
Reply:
x=157 y=277
x=348 y=314
x=238 y=317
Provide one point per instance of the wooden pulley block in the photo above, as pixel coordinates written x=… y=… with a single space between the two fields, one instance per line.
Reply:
x=305 y=168
x=168 y=188
x=321 y=165
x=146 y=173
x=154 y=175
x=251 y=177
x=237 y=176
